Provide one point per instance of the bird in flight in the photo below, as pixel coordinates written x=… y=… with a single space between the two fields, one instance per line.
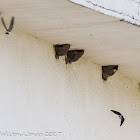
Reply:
x=120 y=116
x=8 y=30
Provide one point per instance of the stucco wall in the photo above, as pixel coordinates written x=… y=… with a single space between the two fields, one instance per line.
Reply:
x=40 y=94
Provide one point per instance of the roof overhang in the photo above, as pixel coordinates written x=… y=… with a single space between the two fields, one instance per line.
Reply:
x=106 y=40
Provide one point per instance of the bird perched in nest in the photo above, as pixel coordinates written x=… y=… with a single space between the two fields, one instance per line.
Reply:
x=61 y=50
x=73 y=55
x=108 y=71
x=8 y=30
x=120 y=116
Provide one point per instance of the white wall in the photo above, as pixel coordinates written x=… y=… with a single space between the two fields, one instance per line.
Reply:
x=40 y=94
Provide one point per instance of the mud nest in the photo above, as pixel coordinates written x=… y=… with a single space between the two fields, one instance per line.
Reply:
x=61 y=49
x=108 y=71
x=73 y=55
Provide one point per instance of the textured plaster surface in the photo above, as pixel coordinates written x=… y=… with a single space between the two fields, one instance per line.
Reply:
x=39 y=93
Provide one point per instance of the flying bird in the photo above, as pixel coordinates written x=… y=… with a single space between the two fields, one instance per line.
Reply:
x=120 y=116
x=8 y=30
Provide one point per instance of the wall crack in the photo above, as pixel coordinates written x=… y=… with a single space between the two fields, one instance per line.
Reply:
x=120 y=13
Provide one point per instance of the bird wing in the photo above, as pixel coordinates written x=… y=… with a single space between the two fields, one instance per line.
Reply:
x=118 y=113
x=2 y=19
x=11 y=24
x=122 y=120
